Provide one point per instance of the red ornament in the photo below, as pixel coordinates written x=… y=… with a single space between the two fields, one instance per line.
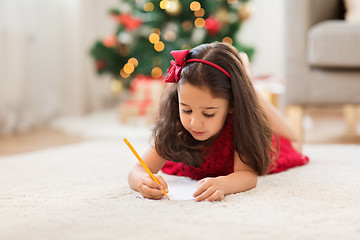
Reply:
x=212 y=25
x=100 y=64
x=131 y=23
x=110 y=41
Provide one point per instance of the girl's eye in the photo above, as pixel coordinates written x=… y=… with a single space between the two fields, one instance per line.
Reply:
x=209 y=115
x=186 y=111
x=205 y=114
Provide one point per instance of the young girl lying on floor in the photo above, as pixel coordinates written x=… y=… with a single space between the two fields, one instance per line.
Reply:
x=213 y=126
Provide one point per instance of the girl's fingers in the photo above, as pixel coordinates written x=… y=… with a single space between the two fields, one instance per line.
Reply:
x=202 y=187
x=216 y=196
x=151 y=192
x=151 y=183
x=162 y=182
x=151 y=189
x=205 y=195
x=208 y=190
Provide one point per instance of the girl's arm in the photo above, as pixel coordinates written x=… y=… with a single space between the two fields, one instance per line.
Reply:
x=279 y=124
x=242 y=179
x=140 y=180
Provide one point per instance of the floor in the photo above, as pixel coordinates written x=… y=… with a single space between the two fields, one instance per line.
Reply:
x=327 y=126
x=35 y=140
x=321 y=127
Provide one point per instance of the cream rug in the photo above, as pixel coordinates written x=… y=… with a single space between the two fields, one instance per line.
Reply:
x=80 y=192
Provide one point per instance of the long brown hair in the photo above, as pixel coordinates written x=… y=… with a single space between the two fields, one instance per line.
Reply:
x=252 y=131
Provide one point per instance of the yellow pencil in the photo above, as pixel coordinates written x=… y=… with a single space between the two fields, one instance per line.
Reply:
x=144 y=165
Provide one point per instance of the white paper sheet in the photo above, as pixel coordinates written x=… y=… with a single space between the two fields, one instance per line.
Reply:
x=181 y=188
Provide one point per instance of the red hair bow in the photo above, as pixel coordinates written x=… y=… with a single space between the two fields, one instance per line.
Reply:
x=176 y=66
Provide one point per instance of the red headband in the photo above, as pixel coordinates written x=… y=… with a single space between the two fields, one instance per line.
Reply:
x=177 y=65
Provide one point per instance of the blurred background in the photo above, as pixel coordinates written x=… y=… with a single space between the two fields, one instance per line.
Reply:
x=64 y=62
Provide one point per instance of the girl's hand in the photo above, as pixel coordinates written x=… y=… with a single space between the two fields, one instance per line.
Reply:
x=210 y=190
x=150 y=189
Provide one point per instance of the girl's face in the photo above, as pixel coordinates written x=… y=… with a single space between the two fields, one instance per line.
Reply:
x=202 y=115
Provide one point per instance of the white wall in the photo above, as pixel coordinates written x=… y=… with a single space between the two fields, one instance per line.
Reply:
x=45 y=67
x=265 y=31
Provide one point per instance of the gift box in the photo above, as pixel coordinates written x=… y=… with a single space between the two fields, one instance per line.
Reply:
x=145 y=93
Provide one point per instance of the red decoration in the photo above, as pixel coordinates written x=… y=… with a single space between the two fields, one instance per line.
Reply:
x=110 y=41
x=131 y=23
x=213 y=25
x=176 y=66
x=100 y=64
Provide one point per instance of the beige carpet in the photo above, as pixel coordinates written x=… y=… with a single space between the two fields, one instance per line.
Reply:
x=80 y=192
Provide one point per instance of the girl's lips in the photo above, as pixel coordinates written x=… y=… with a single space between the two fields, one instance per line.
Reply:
x=198 y=133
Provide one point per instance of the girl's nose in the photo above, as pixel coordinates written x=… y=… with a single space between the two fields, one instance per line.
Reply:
x=195 y=122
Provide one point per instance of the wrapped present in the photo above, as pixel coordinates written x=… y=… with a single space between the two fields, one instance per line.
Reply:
x=145 y=93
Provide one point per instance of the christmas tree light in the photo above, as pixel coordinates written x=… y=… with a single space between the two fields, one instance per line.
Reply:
x=147 y=30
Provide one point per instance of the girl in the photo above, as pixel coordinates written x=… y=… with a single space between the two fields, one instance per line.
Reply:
x=213 y=126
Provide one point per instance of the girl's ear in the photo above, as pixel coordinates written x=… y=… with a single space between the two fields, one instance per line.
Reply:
x=231 y=110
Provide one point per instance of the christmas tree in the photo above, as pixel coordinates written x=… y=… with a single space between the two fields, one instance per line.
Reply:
x=147 y=31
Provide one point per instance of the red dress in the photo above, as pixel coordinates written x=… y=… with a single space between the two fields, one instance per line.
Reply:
x=220 y=160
